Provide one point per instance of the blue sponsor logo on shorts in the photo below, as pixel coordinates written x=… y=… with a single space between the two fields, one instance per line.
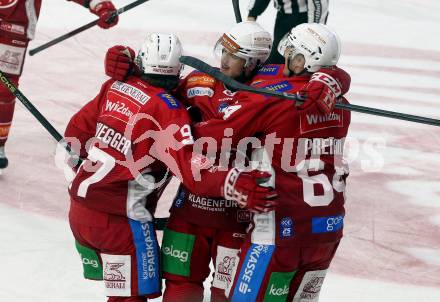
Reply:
x=286 y=227
x=269 y=70
x=180 y=198
x=171 y=102
x=280 y=87
x=252 y=272
x=147 y=258
x=327 y=224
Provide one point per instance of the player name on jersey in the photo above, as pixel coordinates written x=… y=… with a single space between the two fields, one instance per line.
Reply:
x=113 y=138
x=321 y=146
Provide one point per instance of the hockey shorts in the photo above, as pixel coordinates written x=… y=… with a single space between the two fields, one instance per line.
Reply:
x=121 y=251
x=270 y=273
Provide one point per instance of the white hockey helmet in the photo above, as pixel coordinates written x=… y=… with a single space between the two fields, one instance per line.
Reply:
x=246 y=40
x=319 y=45
x=160 y=55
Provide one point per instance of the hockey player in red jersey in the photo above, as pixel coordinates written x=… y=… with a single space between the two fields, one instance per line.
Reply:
x=18 y=20
x=288 y=251
x=212 y=228
x=217 y=225
x=130 y=133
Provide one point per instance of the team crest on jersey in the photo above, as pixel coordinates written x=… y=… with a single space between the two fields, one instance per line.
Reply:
x=120 y=108
x=171 y=102
x=280 y=86
x=286 y=227
x=314 y=121
x=268 y=70
x=222 y=107
x=7 y=3
x=202 y=80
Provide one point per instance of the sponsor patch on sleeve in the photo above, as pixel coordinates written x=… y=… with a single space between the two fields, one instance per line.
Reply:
x=171 y=101
x=199 y=91
x=314 y=121
x=200 y=80
x=280 y=86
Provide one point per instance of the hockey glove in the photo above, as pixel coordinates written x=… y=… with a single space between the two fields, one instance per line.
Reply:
x=324 y=88
x=244 y=188
x=119 y=62
x=103 y=9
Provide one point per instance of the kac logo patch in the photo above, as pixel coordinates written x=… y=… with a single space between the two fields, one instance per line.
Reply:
x=222 y=107
x=180 y=198
x=286 y=227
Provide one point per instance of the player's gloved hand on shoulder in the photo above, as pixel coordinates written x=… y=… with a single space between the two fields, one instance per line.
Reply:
x=245 y=187
x=323 y=89
x=119 y=61
x=103 y=9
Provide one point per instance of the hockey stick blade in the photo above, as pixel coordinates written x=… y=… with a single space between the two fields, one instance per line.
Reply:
x=84 y=27
x=206 y=68
x=237 y=13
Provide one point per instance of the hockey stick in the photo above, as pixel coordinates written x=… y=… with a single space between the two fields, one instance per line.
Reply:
x=84 y=27
x=202 y=66
x=237 y=12
x=34 y=111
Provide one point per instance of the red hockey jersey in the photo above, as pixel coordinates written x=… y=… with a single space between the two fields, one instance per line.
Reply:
x=211 y=97
x=304 y=152
x=130 y=133
x=19 y=17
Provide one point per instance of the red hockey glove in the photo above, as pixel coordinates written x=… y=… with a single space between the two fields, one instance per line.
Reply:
x=103 y=9
x=119 y=60
x=245 y=189
x=324 y=88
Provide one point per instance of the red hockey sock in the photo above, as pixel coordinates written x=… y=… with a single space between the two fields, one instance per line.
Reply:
x=178 y=291
x=6 y=114
x=218 y=295
x=7 y=104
